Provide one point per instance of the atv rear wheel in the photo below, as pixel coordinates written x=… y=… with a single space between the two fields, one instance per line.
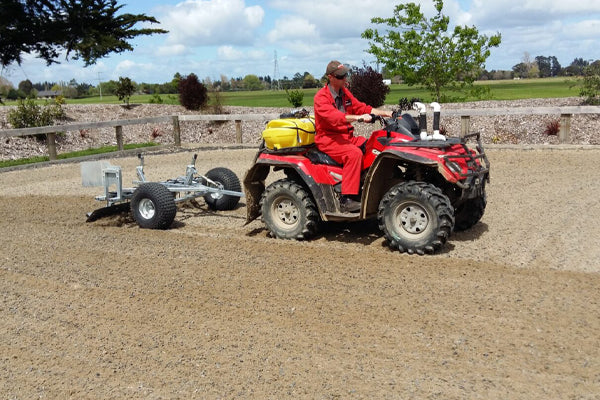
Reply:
x=288 y=211
x=224 y=179
x=153 y=206
x=415 y=217
x=469 y=213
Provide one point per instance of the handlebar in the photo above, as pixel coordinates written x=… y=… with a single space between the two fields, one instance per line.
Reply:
x=396 y=114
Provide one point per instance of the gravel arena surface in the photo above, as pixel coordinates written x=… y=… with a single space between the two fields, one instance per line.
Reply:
x=216 y=309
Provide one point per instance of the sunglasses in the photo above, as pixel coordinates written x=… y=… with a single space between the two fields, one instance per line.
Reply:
x=341 y=76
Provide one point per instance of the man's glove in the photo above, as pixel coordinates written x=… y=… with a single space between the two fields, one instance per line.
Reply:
x=373 y=118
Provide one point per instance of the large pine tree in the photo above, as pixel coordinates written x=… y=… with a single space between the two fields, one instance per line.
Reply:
x=83 y=29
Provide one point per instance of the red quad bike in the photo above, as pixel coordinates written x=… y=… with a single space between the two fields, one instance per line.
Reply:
x=420 y=187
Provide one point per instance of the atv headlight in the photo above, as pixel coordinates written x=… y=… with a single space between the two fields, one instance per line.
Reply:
x=454 y=167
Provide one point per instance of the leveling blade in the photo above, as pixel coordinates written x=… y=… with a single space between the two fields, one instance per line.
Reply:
x=107 y=211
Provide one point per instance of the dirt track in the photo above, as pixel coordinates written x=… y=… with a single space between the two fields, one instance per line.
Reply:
x=213 y=309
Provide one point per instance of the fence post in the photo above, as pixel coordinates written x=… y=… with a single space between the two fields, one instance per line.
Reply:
x=51 y=139
x=238 y=130
x=176 y=131
x=465 y=125
x=119 y=134
x=565 y=128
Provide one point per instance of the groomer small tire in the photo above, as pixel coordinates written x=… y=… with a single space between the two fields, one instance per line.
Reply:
x=153 y=206
x=227 y=180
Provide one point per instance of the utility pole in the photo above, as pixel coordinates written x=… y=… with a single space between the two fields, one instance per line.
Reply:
x=99 y=86
x=276 y=73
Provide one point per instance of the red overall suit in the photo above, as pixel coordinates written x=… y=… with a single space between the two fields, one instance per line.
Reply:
x=334 y=135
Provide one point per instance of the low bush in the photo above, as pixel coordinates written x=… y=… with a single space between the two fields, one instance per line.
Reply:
x=155 y=99
x=193 y=95
x=368 y=86
x=590 y=87
x=124 y=90
x=406 y=105
x=552 y=128
x=28 y=114
x=295 y=97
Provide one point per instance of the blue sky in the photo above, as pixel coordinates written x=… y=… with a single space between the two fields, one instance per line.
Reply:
x=233 y=38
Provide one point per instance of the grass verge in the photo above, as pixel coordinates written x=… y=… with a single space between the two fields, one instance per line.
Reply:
x=74 y=154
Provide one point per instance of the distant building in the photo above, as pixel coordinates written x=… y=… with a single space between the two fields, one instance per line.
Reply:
x=48 y=94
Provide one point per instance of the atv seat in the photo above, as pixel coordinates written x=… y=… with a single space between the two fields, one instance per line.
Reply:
x=316 y=156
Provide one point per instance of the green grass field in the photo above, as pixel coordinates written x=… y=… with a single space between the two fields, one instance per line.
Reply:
x=533 y=88
x=499 y=90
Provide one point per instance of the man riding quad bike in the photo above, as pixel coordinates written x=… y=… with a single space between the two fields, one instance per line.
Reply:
x=420 y=187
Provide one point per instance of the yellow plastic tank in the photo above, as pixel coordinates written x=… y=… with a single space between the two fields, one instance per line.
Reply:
x=289 y=132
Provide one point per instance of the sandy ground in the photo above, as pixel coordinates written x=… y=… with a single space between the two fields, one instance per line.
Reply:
x=215 y=309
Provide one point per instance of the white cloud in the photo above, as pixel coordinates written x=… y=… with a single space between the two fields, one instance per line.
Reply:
x=258 y=54
x=325 y=30
x=240 y=57
x=523 y=13
x=238 y=37
x=540 y=28
x=555 y=7
x=36 y=70
x=582 y=30
x=292 y=28
x=136 y=71
x=310 y=33
x=228 y=53
x=126 y=65
x=212 y=22
x=335 y=20
x=172 y=50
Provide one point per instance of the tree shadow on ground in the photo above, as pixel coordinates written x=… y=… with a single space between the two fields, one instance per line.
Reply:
x=185 y=211
x=469 y=235
x=473 y=233
x=361 y=232
x=368 y=232
x=192 y=209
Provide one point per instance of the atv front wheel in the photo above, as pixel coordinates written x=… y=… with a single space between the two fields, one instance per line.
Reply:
x=288 y=211
x=153 y=206
x=224 y=179
x=415 y=217
x=469 y=213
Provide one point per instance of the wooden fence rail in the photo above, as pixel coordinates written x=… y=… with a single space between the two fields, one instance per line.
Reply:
x=51 y=131
x=238 y=118
x=565 y=113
